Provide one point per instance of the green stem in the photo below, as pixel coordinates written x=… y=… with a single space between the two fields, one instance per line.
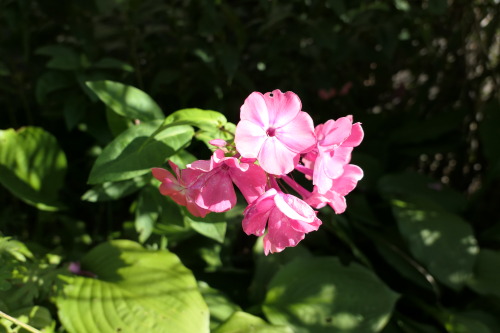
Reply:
x=19 y=323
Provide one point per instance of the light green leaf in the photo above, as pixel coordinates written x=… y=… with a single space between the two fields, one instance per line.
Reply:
x=486 y=273
x=126 y=100
x=220 y=306
x=242 y=322
x=321 y=295
x=136 y=290
x=212 y=226
x=442 y=241
x=115 y=190
x=32 y=166
x=134 y=152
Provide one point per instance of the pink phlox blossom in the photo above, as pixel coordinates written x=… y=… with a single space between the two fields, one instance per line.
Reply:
x=336 y=140
x=179 y=187
x=341 y=186
x=285 y=217
x=215 y=190
x=274 y=130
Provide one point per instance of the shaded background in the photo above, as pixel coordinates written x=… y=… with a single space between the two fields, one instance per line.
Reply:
x=421 y=76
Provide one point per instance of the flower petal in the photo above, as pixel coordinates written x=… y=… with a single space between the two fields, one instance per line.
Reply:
x=216 y=192
x=277 y=159
x=298 y=135
x=282 y=107
x=254 y=109
x=257 y=214
x=336 y=131
x=251 y=182
x=294 y=208
x=249 y=138
x=356 y=136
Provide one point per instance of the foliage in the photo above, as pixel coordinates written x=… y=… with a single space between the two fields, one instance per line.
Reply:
x=96 y=93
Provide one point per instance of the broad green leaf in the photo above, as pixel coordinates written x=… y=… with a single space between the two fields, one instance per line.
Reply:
x=486 y=273
x=115 y=190
x=206 y=120
x=32 y=166
x=133 y=153
x=136 y=290
x=62 y=57
x=225 y=132
x=321 y=295
x=212 y=226
x=219 y=305
x=242 y=322
x=442 y=241
x=116 y=123
x=126 y=100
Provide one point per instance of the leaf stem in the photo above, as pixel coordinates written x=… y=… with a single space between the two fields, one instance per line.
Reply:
x=19 y=323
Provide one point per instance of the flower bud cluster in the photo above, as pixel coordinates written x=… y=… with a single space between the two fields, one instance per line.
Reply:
x=273 y=138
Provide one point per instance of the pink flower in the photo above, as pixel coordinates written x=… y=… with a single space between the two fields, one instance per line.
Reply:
x=274 y=130
x=215 y=190
x=336 y=140
x=179 y=187
x=287 y=217
x=341 y=186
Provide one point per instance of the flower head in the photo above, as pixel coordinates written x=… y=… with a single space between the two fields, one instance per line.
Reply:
x=287 y=218
x=274 y=130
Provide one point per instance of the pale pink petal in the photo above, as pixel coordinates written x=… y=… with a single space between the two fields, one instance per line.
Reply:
x=316 y=199
x=280 y=233
x=254 y=109
x=348 y=181
x=305 y=227
x=249 y=138
x=294 y=208
x=356 y=136
x=336 y=131
x=202 y=165
x=320 y=179
x=275 y=158
x=216 y=192
x=298 y=135
x=251 y=182
x=257 y=214
x=338 y=203
x=218 y=143
x=282 y=107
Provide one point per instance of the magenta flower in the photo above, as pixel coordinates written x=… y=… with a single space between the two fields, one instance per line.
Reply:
x=179 y=188
x=274 y=130
x=341 y=186
x=215 y=190
x=336 y=140
x=287 y=218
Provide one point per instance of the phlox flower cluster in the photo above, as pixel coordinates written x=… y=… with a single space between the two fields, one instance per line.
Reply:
x=273 y=138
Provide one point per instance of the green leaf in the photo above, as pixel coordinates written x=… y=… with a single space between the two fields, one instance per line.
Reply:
x=115 y=190
x=35 y=316
x=442 y=241
x=134 y=152
x=62 y=57
x=136 y=290
x=32 y=166
x=126 y=100
x=212 y=226
x=321 y=295
x=14 y=248
x=242 y=322
x=220 y=306
x=486 y=273
x=147 y=211
x=113 y=63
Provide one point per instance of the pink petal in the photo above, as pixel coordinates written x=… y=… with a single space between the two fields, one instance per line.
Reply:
x=298 y=135
x=254 y=109
x=320 y=178
x=280 y=233
x=356 y=136
x=335 y=132
x=202 y=165
x=305 y=227
x=216 y=192
x=338 y=203
x=162 y=174
x=275 y=158
x=294 y=208
x=348 y=181
x=251 y=182
x=282 y=107
x=257 y=214
x=218 y=143
x=196 y=210
x=249 y=138
x=175 y=168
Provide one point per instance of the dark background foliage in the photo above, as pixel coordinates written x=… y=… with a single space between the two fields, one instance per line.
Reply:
x=421 y=76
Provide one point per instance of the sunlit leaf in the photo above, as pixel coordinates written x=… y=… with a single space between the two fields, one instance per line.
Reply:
x=242 y=322
x=442 y=241
x=115 y=190
x=126 y=100
x=212 y=226
x=219 y=305
x=133 y=153
x=321 y=295
x=136 y=290
x=32 y=166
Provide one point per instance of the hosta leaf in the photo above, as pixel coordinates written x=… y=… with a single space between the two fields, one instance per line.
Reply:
x=242 y=322
x=321 y=295
x=126 y=100
x=136 y=290
x=133 y=153
x=32 y=166
x=442 y=241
